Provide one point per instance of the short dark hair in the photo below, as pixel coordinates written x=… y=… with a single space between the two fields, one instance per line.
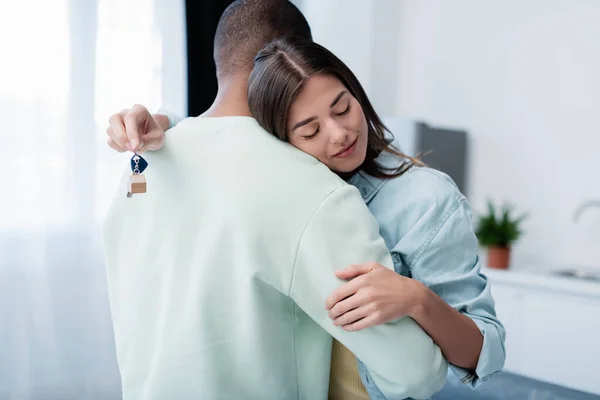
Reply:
x=280 y=71
x=246 y=26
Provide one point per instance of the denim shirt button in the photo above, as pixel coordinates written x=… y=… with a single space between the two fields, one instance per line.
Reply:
x=367 y=378
x=363 y=191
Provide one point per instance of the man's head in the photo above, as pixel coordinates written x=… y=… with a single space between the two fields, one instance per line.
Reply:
x=246 y=26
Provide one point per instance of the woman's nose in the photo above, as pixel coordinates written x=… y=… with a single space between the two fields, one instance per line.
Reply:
x=339 y=134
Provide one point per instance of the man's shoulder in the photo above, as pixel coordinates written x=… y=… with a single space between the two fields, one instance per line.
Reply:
x=199 y=125
x=234 y=158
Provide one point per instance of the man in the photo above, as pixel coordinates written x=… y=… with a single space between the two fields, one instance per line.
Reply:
x=218 y=275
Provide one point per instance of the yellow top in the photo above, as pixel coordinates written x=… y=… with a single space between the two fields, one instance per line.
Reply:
x=344 y=382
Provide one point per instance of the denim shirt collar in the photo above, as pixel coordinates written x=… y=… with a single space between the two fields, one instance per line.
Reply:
x=369 y=185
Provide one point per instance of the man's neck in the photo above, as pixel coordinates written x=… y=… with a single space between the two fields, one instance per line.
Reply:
x=232 y=98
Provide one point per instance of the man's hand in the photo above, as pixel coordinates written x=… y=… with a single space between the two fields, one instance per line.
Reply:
x=136 y=130
x=373 y=296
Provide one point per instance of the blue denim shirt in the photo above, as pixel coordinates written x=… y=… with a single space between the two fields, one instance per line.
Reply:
x=427 y=225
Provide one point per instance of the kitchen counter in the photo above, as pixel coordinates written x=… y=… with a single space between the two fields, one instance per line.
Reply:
x=552 y=326
x=545 y=280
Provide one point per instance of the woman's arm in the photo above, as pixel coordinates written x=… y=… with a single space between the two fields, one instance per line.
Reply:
x=448 y=296
x=456 y=334
x=380 y=295
x=162 y=120
x=137 y=130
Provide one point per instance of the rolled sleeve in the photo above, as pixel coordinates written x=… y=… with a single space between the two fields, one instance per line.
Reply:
x=449 y=265
x=491 y=359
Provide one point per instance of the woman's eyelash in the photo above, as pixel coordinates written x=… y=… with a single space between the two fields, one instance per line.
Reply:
x=344 y=112
x=313 y=135
x=338 y=114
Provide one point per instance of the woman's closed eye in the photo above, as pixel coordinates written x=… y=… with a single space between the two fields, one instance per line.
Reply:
x=311 y=136
x=346 y=111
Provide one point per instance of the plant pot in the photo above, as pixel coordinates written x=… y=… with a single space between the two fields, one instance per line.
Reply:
x=498 y=257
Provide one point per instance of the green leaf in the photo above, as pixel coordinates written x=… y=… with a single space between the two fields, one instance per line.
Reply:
x=499 y=230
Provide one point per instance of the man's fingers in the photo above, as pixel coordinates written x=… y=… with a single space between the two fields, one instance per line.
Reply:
x=114 y=146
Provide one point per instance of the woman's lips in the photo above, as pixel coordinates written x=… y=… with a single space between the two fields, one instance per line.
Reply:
x=346 y=152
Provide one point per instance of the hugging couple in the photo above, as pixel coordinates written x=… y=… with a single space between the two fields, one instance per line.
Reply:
x=286 y=248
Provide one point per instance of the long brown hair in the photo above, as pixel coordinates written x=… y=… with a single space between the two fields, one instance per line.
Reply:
x=280 y=71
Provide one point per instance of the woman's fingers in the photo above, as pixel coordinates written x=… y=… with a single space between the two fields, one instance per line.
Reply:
x=342 y=292
x=116 y=130
x=368 y=321
x=352 y=316
x=111 y=143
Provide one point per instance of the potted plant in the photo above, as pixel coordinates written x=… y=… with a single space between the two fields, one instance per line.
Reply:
x=497 y=232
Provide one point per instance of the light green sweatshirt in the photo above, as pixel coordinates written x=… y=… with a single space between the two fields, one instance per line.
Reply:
x=218 y=275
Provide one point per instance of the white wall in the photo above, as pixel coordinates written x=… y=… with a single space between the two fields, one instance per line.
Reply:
x=521 y=76
x=363 y=34
x=350 y=34
x=170 y=16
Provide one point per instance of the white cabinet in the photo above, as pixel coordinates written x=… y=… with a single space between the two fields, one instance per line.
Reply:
x=553 y=327
x=508 y=310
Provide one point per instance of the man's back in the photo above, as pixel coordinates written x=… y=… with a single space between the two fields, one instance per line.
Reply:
x=199 y=266
x=206 y=271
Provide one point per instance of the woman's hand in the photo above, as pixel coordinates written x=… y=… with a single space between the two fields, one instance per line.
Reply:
x=136 y=130
x=373 y=296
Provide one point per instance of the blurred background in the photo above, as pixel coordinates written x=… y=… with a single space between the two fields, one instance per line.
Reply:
x=504 y=96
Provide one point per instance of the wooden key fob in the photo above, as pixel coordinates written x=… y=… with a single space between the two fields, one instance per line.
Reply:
x=137 y=181
x=137 y=184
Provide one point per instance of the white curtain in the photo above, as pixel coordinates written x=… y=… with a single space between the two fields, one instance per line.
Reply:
x=66 y=65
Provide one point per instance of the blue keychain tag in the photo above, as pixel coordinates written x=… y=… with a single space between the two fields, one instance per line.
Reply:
x=140 y=164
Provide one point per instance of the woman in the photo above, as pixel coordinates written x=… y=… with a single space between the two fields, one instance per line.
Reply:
x=303 y=94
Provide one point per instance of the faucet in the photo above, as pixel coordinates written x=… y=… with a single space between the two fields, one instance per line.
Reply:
x=583 y=207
